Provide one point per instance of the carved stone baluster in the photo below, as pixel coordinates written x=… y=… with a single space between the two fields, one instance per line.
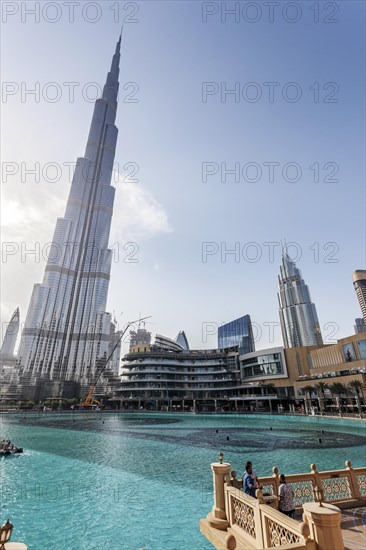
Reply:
x=259 y=495
x=304 y=528
x=276 y=481
x=317 y=485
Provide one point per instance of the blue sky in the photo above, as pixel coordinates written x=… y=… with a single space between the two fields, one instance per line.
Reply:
x=170 y=132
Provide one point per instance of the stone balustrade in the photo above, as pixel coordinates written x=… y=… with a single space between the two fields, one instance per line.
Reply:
x=342 y=487
x=238 y=521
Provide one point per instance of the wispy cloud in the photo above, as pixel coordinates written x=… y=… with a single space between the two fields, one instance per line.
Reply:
x=32 y=218
x=28 y=222
x=137 y=215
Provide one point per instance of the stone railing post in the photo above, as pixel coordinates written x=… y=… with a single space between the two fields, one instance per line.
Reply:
x=324 y=522
x=354 y=485
x=217 y=517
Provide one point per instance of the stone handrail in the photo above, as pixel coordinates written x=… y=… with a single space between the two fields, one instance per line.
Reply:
x=341 y=487
x=280 y=530
x=242 y=515
x=240 y=521
x=254 y=524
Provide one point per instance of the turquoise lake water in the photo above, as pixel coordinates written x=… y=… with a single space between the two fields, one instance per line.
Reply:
x=127 y=481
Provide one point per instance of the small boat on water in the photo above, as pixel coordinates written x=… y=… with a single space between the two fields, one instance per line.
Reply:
x=8 y=448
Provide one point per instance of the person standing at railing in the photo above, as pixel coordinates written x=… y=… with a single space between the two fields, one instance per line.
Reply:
x=254 y=474
x=286 y=493
x=250 y=483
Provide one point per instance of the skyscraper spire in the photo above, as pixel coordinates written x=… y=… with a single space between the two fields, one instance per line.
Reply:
x=67 y=329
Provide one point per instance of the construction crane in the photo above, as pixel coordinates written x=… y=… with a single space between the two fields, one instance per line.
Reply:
x=89 y=401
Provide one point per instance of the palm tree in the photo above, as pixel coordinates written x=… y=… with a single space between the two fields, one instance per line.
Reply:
x=308 y=390
x=338 y=389
x=356 y=388
x=320 y=391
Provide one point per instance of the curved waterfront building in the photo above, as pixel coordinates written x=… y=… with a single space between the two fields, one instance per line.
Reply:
x=166 y=375
x=67 y=330
x=298 y=317
x=359 y=283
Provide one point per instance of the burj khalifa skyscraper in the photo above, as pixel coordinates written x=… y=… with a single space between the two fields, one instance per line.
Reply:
x=67 y=330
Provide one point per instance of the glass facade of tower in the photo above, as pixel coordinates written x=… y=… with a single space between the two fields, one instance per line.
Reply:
x=237 y=333
x=298 y=317
x=67 y=330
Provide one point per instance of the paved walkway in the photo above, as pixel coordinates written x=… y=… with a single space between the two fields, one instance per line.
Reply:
x=353 y=527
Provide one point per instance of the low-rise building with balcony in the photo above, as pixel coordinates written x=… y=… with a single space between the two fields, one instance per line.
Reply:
x=168 y=376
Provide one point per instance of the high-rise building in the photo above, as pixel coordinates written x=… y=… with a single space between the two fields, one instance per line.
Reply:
x=360 y=325
x=237 y=333
x=67 y=330
x=359 y=282
x=7 y=350
x=298 y=317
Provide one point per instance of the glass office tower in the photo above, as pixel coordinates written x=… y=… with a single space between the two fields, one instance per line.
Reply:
x=237 y=333
x=67 y=330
